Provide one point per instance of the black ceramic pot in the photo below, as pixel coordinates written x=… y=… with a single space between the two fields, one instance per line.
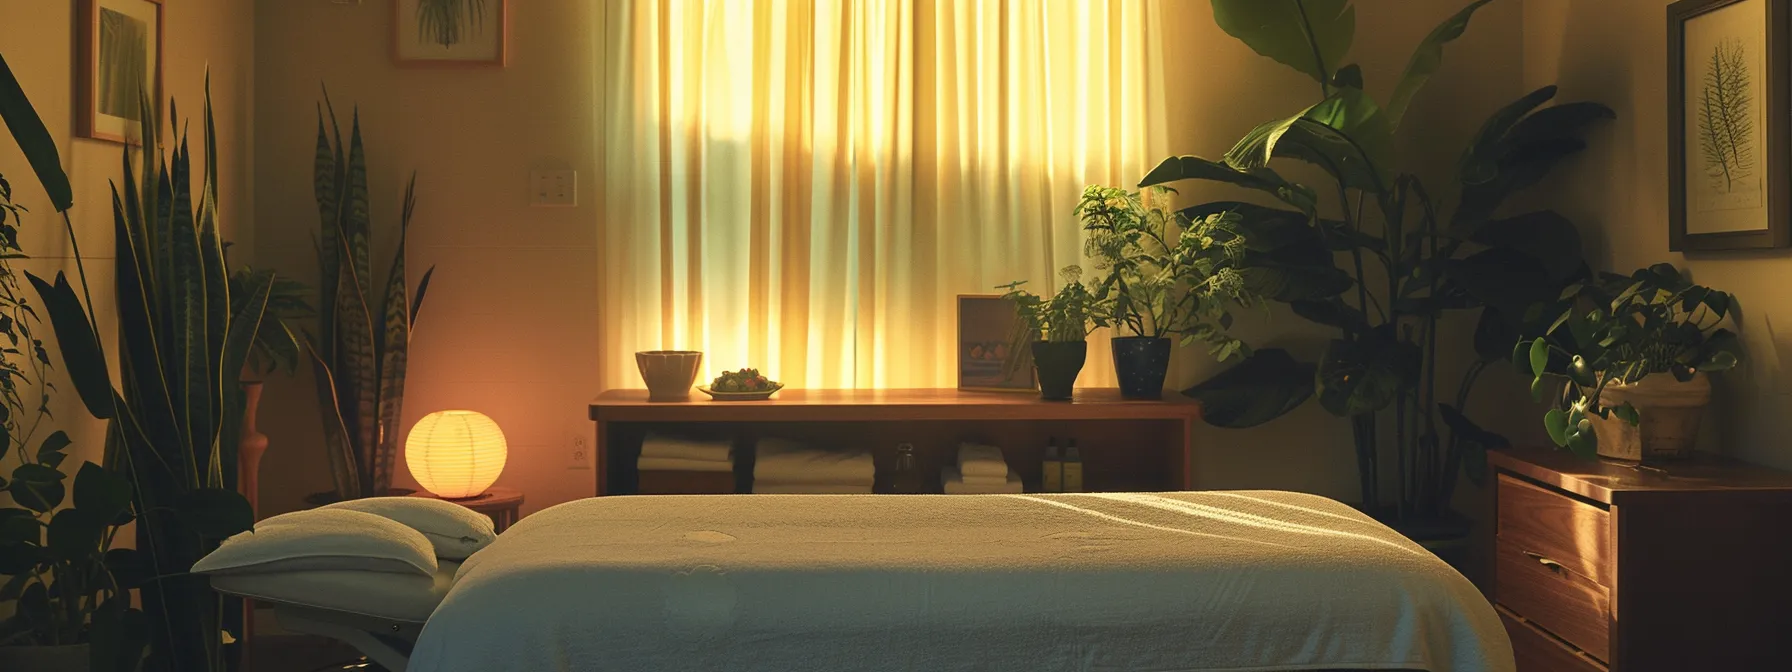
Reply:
x=1058 y=364
x=1141 y=363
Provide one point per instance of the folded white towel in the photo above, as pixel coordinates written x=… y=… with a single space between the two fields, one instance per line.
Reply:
x=954 y=484
x=810 y=489
x=977 y=460
x=676 y=464
x=983 y=480
x=790 y=462
x=661 y=445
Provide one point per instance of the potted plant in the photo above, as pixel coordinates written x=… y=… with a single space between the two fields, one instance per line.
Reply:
x=165 y=432
x=363 y=336
x=1412 y=253
x=1166 y=274
x=69 y=589
x=1633 y=354
x=1056 y=330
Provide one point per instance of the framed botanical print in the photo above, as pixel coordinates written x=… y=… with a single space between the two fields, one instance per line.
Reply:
x=1728 y=125
x=987 y=359
x=450 y=32
x=120 y=62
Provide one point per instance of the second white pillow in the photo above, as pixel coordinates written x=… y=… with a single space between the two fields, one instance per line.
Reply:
x=455 y=531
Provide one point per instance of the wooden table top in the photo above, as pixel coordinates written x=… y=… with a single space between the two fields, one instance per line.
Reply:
x=493 y=499
x=901 y=404
x=1605 y=480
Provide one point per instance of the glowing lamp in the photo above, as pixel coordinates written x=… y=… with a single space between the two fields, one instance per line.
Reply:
x=455 y=454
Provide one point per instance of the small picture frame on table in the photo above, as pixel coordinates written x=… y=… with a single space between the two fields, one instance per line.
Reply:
x=986 y=354
x=451 y=33
x=1729 y=140
x=119 y=63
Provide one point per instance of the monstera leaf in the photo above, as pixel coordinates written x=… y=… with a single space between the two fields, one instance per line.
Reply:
x=1265 y=386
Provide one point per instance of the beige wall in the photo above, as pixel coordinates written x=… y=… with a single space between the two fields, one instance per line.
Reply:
x=39 y=45
x=1616 y=51
x=509 y=327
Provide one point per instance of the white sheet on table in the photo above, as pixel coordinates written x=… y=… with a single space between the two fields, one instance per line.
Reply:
x=1173 y=582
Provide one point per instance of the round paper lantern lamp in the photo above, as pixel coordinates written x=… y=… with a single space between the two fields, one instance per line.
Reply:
x=455 y=454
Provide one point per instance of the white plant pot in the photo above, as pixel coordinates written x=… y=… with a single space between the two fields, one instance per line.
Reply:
x=1668 y=413
x=70 y=658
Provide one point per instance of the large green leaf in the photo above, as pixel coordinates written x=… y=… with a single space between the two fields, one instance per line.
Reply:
x=1544 y=236
x=74 y=534
x=1427 y=59
x=1311 y=36
x=1479 y=162
x=120 y=634
x=1345 y=134
x=1331 y=312
x=344 y=474
x=1261 y=179
x=1294 y=273
x=394 y=351
x=81 y=355
x=34 y=139
x=1265 y=386
x=102 y=493
x=1366 y=375
x=37 y=487
x=1264 y=229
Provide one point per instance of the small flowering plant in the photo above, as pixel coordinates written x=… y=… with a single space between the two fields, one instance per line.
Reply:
x=1162 y=272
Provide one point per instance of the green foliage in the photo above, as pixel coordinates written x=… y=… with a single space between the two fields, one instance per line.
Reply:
x=448 y=22
x=1726 y=119
x=360 y=350
x=1164 y=273
x=1068 y=316
x=1619 y=329
x=56 y=561
x=182 y=342
x=1408 y=259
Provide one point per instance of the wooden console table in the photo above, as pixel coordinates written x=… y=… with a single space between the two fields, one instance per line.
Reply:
x=1125 y=445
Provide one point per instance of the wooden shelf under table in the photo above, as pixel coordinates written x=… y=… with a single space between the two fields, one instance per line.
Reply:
x=1126 y=444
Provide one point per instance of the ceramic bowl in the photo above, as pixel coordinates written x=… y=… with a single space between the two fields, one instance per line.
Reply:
x=669 y=374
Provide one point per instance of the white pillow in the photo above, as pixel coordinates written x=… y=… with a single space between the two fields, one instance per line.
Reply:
x=323 y=540
x=455 y=531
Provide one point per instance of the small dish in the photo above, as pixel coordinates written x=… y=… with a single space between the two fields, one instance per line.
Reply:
x=758 y=395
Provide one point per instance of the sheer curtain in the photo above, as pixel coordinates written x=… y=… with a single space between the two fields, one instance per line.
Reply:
x=805 y=186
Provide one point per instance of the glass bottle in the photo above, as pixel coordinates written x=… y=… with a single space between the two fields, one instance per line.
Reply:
x=907 y=479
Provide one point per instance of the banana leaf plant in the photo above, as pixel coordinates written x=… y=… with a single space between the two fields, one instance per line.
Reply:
x=1410 y=255
x=363 y=334
x=182 y=342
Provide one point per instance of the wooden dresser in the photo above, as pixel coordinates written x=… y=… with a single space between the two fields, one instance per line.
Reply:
x=1607 y=566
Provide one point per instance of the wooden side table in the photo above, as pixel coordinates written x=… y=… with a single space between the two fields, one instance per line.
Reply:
x=502 y=505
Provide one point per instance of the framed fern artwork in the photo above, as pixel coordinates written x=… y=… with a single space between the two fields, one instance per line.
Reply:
x=450 y=32
x=1729 y=133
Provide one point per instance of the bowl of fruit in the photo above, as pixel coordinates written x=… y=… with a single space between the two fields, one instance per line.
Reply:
x=742 y=385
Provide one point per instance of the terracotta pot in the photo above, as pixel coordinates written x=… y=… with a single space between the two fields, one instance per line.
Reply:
x=669 y=374
x=1057 y=364
x=70 y=658
x=1668 y=414
x=1141 y=362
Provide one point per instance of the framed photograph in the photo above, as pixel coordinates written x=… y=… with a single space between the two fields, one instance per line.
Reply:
x=450 y=32
x=120 y=61
x=1729 y=98
x=986 y=353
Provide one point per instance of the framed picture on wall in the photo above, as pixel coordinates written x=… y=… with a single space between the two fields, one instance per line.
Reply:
x=120 y=62
x=450 y=32
x=987 y=358
x=1729 y=98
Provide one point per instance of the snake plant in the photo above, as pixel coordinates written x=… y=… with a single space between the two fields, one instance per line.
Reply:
x=182 y=341
x=363 y=337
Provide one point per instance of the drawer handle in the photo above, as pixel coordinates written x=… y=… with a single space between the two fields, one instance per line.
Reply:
x=1546 y=562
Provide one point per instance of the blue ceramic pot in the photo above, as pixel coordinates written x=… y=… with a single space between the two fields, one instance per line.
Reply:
x=1141 y=363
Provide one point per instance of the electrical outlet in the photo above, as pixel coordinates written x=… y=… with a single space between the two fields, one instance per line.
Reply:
x=554 y=188
x=580 y=457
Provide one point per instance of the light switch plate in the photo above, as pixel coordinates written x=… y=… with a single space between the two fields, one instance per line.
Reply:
x=553 y=188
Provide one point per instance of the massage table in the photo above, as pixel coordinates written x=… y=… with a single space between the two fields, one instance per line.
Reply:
x=1174 y=582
